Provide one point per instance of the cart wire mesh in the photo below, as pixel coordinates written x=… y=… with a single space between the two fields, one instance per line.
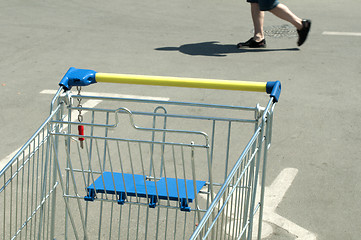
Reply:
x=142 y=169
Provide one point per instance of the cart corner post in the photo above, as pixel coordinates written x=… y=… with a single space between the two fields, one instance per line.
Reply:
x=274 y=89
x=77 y=77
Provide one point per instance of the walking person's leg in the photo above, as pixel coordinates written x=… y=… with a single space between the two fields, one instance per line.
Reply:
x=283 y=12
x=258 y=18
x=302 y=25
x=280 y=10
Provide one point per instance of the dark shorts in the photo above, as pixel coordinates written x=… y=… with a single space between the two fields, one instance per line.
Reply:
x=265 y=5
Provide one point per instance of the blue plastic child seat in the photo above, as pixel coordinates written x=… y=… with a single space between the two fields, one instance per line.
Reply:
x=137 y=185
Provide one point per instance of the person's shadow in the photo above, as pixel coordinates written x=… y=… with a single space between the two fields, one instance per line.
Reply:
x=215 y=49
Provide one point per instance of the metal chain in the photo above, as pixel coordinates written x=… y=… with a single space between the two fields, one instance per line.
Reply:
x=80 y=117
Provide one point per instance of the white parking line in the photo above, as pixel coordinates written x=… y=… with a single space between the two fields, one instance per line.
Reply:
x=116 y=95
x=5 y=160
x=273 y=197
x=353 y=34
x=87 y=104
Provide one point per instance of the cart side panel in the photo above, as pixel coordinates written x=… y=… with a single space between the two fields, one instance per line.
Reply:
x=27 y=188
x=236 y=211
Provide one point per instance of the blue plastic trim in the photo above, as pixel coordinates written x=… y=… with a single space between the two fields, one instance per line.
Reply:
x=153 y=201
x=77 y=77
x=134 y=185
x=274 y=89
x=90 y=197
x=184 y=205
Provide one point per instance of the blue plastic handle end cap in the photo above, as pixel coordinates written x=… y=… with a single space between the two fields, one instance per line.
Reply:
x=274 y=89
x=77 y=77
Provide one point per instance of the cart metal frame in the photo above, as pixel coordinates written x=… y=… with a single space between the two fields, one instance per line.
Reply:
x=139 y=174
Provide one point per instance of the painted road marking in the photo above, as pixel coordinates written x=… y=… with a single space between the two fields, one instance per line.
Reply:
x=273 y=197
x=116 y=95
x=5 y=160
x=87 y=104
x=354 y=34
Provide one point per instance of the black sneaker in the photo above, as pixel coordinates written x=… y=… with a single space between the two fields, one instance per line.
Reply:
x=303 y=33
x=245 y=44
x=260 y=44
x=251 y=43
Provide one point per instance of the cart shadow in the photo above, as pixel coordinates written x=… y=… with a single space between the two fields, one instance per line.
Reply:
x=215 y=49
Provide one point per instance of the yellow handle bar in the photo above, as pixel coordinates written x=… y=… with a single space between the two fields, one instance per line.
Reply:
x=84 y=77
x=181 y=82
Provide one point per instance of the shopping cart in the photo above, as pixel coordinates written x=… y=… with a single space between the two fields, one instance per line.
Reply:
x=105 y=167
